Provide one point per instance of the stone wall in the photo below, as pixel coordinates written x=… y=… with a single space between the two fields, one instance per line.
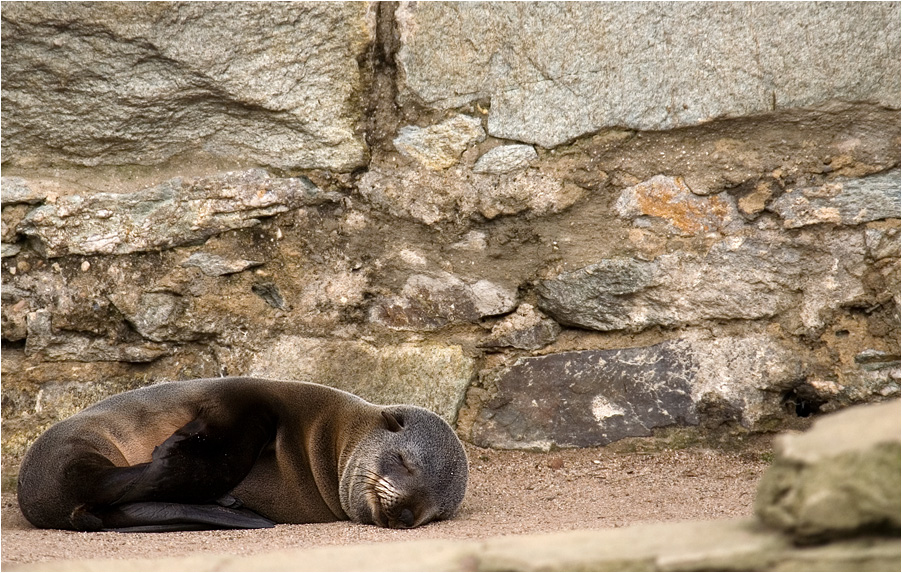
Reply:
x=554 y=224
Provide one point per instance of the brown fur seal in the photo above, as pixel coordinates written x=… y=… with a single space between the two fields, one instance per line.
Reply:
x=241 y=453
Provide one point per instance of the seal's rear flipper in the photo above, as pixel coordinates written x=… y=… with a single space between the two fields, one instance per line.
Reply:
x=160 y=516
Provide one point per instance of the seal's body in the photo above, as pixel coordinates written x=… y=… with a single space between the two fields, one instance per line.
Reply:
x=241 y=453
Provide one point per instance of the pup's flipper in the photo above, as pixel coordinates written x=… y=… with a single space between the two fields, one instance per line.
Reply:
x=152 y=516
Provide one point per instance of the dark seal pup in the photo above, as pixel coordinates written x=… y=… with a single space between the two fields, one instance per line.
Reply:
x=241 y=453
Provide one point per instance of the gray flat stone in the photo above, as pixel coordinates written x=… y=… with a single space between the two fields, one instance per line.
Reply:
x=216 y=266
x=554 y=71
x=81 y=347
x=588 y=398
x=839 y=479
x=431 y=302
x=9 y=250
x=17 y=190
x=440 y=146
x=738 y=278
x=124 y=83
x=173 y=213
x=428 y=375
x=506 y=158
x=841 y=202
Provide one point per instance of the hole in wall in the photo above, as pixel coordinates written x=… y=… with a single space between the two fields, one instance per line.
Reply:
x=802 y=401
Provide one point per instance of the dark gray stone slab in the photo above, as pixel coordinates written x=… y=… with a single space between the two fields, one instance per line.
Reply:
x=589 y=398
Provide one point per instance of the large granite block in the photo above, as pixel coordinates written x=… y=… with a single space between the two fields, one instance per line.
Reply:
x=553 y=71
x=134 y=82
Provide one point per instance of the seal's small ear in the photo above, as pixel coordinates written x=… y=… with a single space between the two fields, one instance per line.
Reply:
x=392 y=422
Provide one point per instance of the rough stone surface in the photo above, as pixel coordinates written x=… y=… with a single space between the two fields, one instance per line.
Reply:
x=738 y=278
x=526 y=329
x=720 y=545
x=82 y=347
x=7 y=250
x=160 y=316
x=124 y=83
x=841 y=202
x=744 y=378
x=431 y=197
x=588 y=398
x=593 y=397
x=215 y=266
x=173 y=213
x=506 y=158
x=431 y=302
x=555 y=71
x=838 y=479
x=670 y=199
x=17 y=190
x=427 y=375
x=440 y=146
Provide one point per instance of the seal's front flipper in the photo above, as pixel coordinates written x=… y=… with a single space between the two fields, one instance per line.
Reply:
x=160 y=516
x=200 y=462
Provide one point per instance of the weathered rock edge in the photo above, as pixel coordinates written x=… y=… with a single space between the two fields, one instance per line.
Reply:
x=838 y=479
x=723 y=545
x=170 y=214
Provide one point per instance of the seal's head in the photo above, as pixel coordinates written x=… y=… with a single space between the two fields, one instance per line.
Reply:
x=411 y=472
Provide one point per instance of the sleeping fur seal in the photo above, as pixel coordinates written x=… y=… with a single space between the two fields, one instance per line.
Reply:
x=241 y=453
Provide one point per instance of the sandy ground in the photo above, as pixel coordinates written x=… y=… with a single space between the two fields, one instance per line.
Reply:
x=509 y=493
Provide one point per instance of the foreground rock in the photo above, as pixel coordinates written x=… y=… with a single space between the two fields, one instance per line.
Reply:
x=691 y=546
x=840 y=478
